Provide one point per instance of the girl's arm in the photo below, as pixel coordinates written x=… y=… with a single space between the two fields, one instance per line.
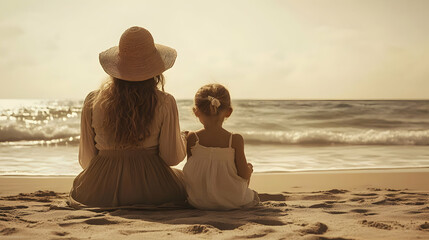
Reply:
x=244 y=169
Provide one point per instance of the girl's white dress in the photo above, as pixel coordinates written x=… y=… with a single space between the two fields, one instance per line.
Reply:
x=212 y=182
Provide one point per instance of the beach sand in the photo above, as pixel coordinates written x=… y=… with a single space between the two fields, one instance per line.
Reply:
x=361 y=204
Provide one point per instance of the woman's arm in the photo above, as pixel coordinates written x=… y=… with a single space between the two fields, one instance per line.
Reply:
x=172 y=148
x=87 y=149
x=244 y=169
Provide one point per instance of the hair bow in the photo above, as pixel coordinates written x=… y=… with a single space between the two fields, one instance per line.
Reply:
x=214 y=101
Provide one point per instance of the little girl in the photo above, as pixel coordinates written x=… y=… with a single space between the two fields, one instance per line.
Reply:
x=216 y=173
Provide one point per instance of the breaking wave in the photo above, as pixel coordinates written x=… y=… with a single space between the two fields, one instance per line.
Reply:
x=323 y=137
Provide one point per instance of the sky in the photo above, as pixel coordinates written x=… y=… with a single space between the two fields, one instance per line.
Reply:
x=302 y=49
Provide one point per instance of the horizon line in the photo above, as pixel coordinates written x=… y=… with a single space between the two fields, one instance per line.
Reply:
x=262 y=99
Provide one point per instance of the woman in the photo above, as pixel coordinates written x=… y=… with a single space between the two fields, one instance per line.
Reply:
x=130 y=134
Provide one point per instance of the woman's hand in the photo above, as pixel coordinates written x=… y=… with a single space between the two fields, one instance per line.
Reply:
x=185 y=134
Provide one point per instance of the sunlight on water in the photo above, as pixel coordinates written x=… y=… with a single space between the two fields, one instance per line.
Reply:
x=40 y=137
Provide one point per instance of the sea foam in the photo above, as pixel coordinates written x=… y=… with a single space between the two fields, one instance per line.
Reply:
x=324 y=137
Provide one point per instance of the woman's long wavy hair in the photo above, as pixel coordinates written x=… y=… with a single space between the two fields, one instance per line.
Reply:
x=129 y=107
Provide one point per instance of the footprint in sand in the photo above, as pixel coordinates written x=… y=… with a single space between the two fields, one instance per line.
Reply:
x=332 y=202
x=378 y=225
x=415 y=212
x=365 y=194
x=197 y=229
x=358 y=199
x=321 y=205
x=268 y=222
x=62 y=234
x=91 y=221
x=391 y=195
x=8 y=231
x=359 y=210
x=415 y=193
x=424 y=226
x=223 y=225
x=335 y=212
x=71 y=217
x=99 y=221
x=317 y=228
x=415 y=203
x=387 y=201
x=7 y=208
x=370 y=214
x=363 y=211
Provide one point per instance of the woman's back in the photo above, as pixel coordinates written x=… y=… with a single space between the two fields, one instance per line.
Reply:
x=170 y=149
x=118 y=175
x=105 y=138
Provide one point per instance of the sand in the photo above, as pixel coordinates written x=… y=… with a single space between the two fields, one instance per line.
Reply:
x=378 y=204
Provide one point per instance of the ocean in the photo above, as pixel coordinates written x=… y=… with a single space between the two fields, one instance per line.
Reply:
x=41 y=137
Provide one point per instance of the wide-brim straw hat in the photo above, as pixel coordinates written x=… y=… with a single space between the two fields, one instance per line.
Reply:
x=137 y=58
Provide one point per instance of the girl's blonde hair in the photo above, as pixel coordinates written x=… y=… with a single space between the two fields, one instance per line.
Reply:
x=210 y=99
x=129 y=107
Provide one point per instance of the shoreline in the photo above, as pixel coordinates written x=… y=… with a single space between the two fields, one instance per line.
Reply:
x=354 y=170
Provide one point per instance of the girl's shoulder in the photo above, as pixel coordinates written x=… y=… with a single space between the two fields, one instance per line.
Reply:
x=191 y=137
x=237 y=140
x=191 y=141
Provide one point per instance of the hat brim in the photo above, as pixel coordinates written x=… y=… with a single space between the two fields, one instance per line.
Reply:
x=110 y=61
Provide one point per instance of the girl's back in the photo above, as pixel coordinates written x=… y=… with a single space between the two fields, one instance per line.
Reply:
x=211 y=175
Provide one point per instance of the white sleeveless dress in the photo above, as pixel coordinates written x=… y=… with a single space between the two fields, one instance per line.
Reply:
x=212 y=182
